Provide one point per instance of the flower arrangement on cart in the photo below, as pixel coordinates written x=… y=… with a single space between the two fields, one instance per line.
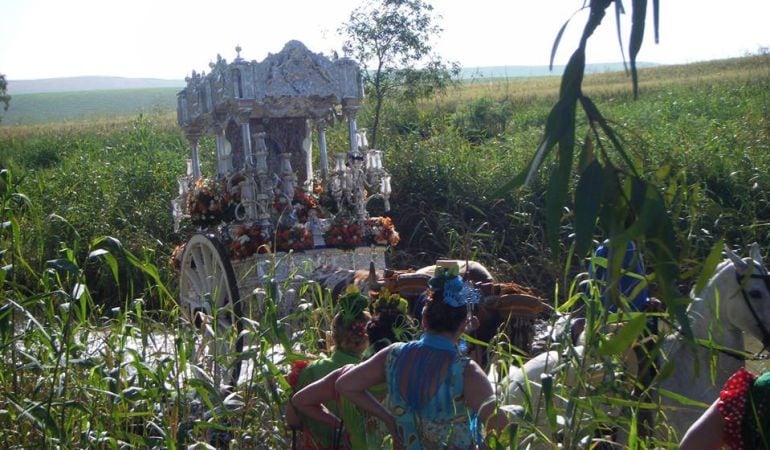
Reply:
x=311 y=218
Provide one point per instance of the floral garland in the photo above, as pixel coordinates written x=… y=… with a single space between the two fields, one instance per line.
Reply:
x=318 y=187
x=381 y=231
x=302 y=203
x=345 y=234
x=296 y=237
x=303 y=198
x=207 y=202
x=248 y=240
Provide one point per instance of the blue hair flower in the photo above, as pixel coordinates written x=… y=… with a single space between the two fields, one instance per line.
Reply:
x=458 y=293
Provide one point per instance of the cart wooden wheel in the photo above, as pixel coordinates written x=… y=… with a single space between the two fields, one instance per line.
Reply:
x=209 y=297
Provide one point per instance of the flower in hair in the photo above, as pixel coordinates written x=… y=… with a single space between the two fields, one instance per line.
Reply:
x=460 y=293
x=359 y=328
x=389 y=303
x=351 y=305
x=455 y=291
x=446 y=272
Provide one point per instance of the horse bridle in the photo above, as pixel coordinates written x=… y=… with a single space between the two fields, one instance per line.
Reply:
x=742 y=282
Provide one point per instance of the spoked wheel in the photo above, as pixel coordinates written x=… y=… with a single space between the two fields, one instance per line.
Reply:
x=210 y=300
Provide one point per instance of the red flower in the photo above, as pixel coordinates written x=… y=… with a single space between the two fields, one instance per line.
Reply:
x=247 y=241
x=344 y=235
x=295 y=238
x=296 y=369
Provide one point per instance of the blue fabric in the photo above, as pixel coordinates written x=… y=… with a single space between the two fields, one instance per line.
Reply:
x=440 y=353
x=632 y=262
x=438 y=342
x=425 y=394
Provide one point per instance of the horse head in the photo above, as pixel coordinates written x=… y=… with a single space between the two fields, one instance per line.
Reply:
x=734 y=302
x=745 y=292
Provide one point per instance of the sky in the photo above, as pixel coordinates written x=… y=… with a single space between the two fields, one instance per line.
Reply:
x=168 y=39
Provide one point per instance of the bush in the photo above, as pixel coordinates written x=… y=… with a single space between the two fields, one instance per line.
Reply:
x=484 y=118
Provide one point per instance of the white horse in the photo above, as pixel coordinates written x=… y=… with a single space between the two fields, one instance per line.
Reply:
x=736 y=300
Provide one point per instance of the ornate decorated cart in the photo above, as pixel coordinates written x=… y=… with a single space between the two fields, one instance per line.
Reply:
x=274 y=208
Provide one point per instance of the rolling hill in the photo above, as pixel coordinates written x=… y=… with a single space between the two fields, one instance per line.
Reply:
x=83 y=98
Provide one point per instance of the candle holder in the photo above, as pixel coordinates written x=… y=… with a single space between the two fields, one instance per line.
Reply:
x=248 y=198
x=361 y=140
x=385 y=190
x=183 y=185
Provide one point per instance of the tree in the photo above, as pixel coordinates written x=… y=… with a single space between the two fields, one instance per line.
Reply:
x=4 y=97
x=391 y=41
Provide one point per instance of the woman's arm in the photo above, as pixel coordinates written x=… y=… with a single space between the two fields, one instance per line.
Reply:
x=480 y=397
x=309 y=400
x=292 y=417
x=354 y=385
x=706 y=432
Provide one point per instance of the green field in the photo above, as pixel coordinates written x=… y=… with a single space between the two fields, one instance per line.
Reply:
x=700 y=133
x=87 y=105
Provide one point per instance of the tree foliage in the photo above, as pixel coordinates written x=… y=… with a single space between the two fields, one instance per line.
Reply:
x=5 y=99
x=391 y=39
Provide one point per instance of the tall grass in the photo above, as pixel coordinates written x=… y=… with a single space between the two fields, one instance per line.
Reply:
x=75 y=375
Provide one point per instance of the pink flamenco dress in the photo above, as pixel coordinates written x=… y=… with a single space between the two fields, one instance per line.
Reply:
x=744 y=404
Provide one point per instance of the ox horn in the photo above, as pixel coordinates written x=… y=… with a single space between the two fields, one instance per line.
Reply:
x=374 y=283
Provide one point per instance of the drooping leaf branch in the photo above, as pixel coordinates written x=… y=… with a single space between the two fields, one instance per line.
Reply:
x=613 y=196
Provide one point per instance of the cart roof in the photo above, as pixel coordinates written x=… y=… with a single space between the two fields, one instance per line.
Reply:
x=292 y=83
